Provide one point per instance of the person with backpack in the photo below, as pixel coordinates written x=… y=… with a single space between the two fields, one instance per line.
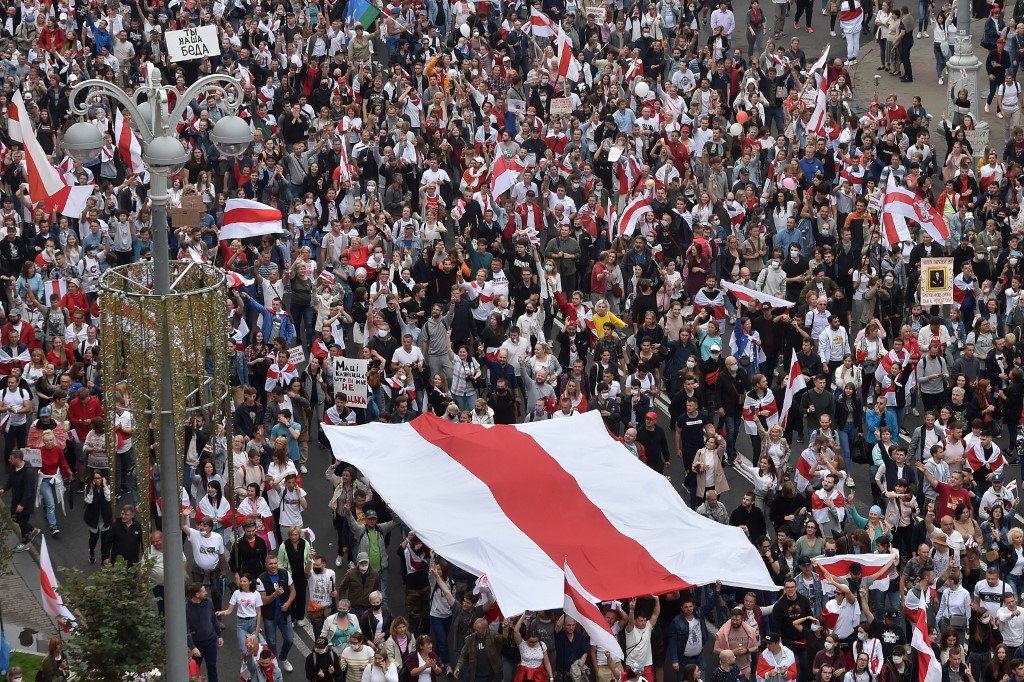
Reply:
x=1008 y=102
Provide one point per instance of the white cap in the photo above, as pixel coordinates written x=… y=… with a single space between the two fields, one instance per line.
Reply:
x=715 y=347
x=63 y=16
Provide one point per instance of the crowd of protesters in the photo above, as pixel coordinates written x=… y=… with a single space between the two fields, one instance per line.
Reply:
x=378 y=142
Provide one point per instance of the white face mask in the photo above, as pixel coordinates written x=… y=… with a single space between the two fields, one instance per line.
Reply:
x=862 y=636
x=776 y=265
x=691 y=363
x=897 y=659
x=793 y=253
x=829 y=646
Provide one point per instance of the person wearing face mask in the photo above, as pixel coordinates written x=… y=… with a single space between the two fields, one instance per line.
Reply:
x=358 y=583
x=830 y=657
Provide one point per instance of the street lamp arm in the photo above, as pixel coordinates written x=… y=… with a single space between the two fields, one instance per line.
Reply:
x=81 y=108
x=217 y=82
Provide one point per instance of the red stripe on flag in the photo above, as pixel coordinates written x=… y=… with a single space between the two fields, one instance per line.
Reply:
x=519 y=486
x=251 y=215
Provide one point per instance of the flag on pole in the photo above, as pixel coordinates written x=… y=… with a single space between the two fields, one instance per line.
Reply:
x=54 y=286
x=817 y=121
x=247 y=218
x=631 y=215
x=344 y=170
x=540 y=25
x=794 y=384
x=502 y=177
x=579 y=605
x=820 y=62
x=567 y=66
x=127 y=144
x=45 y=183
x=900 y=205
x=928 y=667
x=362 y=11
x=839 y=565
x=53 y=603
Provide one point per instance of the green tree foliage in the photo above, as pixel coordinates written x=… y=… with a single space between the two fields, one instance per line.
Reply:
x=119 y=633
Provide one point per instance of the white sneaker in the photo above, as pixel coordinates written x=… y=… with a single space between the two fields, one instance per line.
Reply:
x=998 y=115
x=286 y=666
x=22 y=547
x=301 y=623
x=986 y=108
x=832 y=33
x=302 y=469
x=337 y=561
x=824 y=12
x=940 y=81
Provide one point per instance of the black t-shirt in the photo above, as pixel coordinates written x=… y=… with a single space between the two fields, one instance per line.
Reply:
x=785 y=613
x=691 y=437
x=888 y=636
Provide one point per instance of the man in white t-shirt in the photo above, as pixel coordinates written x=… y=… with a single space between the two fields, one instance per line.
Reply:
x=638 y=639
x=293 y=501
x=16 y=405
x=209 y=561
x=408 y=354
x=1008 y=102
x=323 y=590
x=989 y=592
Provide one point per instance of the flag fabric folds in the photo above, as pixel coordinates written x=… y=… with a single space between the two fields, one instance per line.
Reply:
x=247 y=218
x=53 y=603
x=513 y=479
x=900 y=205
x=362 y=11
x=579 y=606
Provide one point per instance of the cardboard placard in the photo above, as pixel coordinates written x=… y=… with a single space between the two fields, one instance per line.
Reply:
x=195 y=42
x=516 y=106
x=33 y=457
x=192 y=209
x=561 y=106
x=296 y=355
x=978 y=140
x=350 y=379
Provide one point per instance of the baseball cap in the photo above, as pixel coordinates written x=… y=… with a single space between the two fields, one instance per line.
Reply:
x=362 y=558
x=371 y=514
x=998 y=478
x=652 y=415
x=321 y=645
x=45 y=411
x=715 y=347
x=803 y=561
x=773 y=637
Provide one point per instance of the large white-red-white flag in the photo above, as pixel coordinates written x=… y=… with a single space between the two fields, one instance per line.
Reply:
x=53 y=603
x=247 y=218
x=754 y=406
x=540 y=24
x=580 y=606
x=502 y=177
x=513 y=479
x=567 y=66
x=747 y=295
x=45 y=183
x=127 y=144
x=632 y=213
x=900 y=205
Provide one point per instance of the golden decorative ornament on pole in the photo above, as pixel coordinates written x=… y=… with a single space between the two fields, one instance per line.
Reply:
x=193 y=319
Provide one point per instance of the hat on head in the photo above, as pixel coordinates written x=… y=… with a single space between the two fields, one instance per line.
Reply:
x=938 y=537
x=892 y=613
x=803 y=561
x=997 y=478
x=1001 y=41
x=875 y=509
x=996 y=10
x=715 y=347
x=321 y=645
x=652 y=415
x=773 y=637
x=371 y=515
x=362 y=558
x=45 y=411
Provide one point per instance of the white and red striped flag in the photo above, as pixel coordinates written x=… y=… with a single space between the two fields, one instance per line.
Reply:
x=45 y=183
x=976 y=457
x=344 y=171
x=900 y=205
x=236 y=280
x=580 y=606
x=540 y=24
x=928 y=667
x=632 y=213
x=53 y=603
x=747 y=295
x=702 y=300
x=612 y=219
x=502 y=177
x=567 y=66
x=619 y=545
x=839 y=565
x=816 y=123
x=794 y=384
x=752 y=408
x=247 y=218
x=54 y=286
x=127 y=144
x=821 y=61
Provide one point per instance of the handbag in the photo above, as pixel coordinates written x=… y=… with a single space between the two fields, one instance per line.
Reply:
x=617 y=290
x=991 y=555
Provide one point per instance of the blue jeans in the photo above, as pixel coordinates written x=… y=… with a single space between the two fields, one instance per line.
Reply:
x=465 y=402
x=303 y=316
x=846 y=434
x=897 y=413
x=48 y=493
x=127 y=482
x=885 y=599
x=208 y=652
x=270 y=627
x=439 y=631
x=384 y=583
x=731 y=427
x=243 y=628
x=940 y=59
x=922 y=9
